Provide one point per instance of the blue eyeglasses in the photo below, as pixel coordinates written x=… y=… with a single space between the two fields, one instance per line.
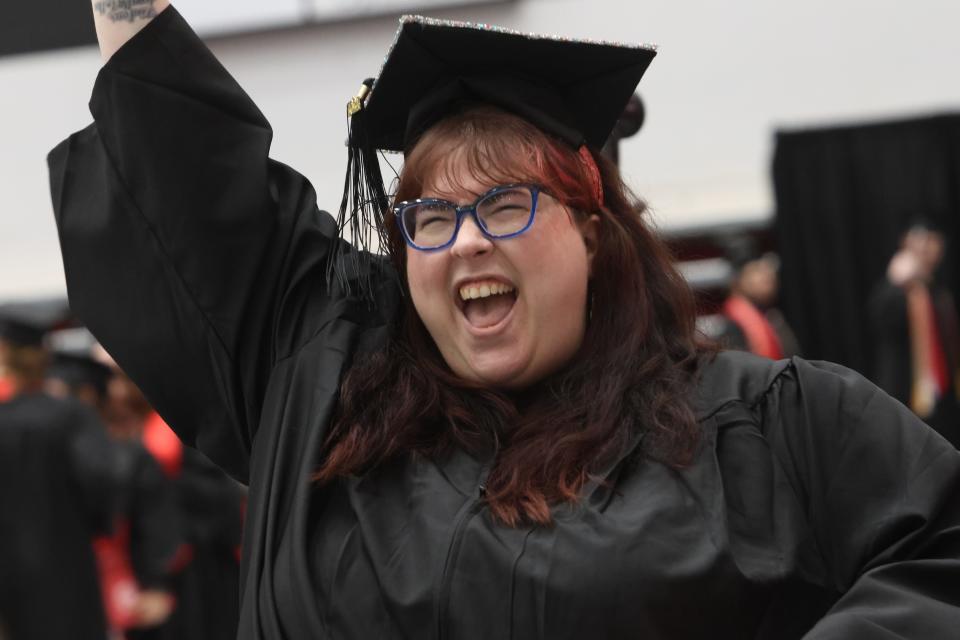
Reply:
x=431 y=224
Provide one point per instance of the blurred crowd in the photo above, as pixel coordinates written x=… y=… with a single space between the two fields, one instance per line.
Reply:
x=110 y=527
x=913 y=322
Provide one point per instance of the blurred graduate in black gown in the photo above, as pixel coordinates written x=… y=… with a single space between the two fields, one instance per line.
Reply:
x=138 y=559
x=751 y=320
x=211 y=506
x=183 y=520
x=57 y=489
x=915 y=330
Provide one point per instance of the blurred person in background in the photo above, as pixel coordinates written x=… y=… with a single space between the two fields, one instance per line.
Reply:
x=507 y=426
x=211 y=505
x=203 y=575
x=57 y=491
x=136 y=559
x=73 y=372
x=752 y=320
x=916 y=332
x=6 y=385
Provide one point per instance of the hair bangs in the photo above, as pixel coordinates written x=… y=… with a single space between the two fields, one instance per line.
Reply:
x=466 y=150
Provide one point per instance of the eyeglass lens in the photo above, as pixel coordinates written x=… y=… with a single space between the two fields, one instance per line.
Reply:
x=501 y=213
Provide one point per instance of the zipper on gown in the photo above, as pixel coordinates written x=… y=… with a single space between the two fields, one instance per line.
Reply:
x=470 y=509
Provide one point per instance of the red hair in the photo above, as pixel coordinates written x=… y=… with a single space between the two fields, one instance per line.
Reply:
x=633 y=373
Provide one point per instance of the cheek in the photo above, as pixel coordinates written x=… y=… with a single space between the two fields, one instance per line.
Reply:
x=558 y=270
x=415 y=272
x=425 y=277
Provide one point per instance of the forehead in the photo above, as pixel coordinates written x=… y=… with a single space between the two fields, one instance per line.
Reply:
x=453 y=180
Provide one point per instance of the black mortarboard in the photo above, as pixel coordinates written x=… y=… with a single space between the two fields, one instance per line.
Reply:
x=924 y=223
x=73 y=360
x=573 y=89
x=740 y=250
x=25 y=323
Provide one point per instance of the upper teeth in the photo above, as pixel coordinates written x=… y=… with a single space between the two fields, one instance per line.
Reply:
x=483 y=290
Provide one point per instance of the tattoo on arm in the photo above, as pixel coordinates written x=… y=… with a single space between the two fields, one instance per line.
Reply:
x=125 y=10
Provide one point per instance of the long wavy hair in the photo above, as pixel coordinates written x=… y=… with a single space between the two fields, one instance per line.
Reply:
x=634 y=371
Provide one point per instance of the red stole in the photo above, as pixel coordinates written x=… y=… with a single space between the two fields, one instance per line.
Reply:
x=6 y=389
x=163 y=444
x=761 y=337
x=928 y=362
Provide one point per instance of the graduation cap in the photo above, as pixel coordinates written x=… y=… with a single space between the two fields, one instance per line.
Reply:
x=24 y=324
x=74 y=362
x=739 y=250
x=574 y=90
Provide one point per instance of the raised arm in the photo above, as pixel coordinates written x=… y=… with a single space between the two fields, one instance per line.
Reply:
x=119 y=20
x=196 y=260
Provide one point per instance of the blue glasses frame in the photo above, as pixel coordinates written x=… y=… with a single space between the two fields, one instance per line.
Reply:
x=470 y=209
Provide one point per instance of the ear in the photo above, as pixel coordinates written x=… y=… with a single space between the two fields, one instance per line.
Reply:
x=590 y=230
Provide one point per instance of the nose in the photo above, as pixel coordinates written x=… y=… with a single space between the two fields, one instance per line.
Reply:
x=470 y=240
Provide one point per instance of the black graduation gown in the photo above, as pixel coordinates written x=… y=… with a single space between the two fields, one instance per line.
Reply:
x=818 y=505
x=57 y=490
x=892 y=361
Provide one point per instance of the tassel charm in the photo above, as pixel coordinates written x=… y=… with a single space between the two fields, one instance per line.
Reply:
x=357 y=102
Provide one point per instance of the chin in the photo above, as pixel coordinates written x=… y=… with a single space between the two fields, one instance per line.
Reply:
x=499 y=373
x=510 y=369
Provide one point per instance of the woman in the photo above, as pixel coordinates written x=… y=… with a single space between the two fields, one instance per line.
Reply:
x=519 y=436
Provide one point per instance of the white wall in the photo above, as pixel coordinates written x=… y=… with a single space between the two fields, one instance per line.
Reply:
x=727 y=75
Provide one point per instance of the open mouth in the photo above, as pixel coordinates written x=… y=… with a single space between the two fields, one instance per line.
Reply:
x=486 y=303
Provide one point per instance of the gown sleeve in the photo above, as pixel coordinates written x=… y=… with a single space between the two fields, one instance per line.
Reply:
x=882 y=494
x=196 y=260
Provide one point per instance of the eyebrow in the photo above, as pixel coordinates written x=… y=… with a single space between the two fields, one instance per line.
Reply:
x=439 y=195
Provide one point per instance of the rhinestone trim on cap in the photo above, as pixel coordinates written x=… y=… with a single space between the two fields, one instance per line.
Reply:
x=482 y=26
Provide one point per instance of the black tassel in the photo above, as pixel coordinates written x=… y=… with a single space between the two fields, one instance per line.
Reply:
x=363 y=208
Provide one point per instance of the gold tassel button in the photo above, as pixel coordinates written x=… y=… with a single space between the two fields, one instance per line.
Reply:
x=356 y=102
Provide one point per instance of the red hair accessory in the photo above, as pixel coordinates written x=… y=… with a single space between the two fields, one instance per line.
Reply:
x=593 y=172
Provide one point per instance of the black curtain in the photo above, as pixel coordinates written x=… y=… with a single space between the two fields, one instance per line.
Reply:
x=844 y=196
